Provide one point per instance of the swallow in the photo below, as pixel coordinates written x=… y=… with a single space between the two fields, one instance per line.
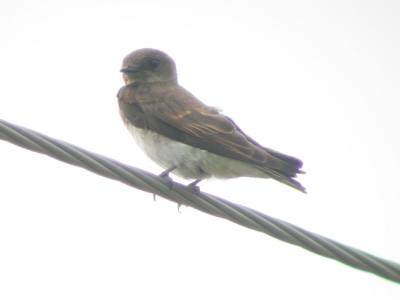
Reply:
x=185 y=136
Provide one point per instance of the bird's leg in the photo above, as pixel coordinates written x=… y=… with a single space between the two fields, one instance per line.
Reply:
x=165 y=176
x=193 y=186
x=166 y=172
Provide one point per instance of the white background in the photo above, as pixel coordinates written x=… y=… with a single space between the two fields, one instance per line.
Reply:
x=315 y=79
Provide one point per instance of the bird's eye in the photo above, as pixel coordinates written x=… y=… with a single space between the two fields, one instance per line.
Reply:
x=153 y=63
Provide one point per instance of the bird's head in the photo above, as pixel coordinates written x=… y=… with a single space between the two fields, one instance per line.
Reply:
x=148 y=66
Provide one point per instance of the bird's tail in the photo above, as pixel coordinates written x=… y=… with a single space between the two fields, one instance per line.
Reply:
x=284 y=169
x=285 y=179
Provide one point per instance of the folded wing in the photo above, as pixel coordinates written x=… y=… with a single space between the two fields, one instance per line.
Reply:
x=174 y=112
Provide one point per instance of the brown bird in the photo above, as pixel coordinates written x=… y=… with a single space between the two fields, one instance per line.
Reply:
x=187 y=137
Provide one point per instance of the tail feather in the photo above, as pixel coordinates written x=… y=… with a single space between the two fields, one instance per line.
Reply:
x=288 y=181
x=284 y=168
x=293 y=162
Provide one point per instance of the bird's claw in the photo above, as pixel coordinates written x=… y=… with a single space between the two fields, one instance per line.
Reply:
x=166 y=179
x=165 y=176
x=193 y=186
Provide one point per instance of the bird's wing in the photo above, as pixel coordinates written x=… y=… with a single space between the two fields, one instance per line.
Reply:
x=174 y=112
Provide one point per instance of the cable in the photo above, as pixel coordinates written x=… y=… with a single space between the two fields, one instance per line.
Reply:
x=204 y=202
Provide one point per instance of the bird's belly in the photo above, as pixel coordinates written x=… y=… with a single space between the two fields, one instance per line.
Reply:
x=190 y=162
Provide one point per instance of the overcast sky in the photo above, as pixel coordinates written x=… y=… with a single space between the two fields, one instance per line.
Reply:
x=315 y=79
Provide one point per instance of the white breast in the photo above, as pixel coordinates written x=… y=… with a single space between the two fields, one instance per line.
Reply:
x=168 y=153
x=191 y=163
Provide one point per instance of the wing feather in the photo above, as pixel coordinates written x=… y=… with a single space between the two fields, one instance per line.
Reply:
x=174 y=112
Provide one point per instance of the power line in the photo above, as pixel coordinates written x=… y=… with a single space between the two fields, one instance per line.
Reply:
x=207 y=203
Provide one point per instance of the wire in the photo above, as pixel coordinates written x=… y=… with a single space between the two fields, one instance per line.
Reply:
x=204 y=202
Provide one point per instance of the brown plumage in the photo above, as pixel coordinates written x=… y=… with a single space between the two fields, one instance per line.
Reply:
x=158 y=104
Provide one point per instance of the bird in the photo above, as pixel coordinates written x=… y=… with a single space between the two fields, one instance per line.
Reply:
x=187 y=137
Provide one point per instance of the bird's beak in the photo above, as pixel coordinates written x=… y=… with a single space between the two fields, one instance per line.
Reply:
x=129 y=69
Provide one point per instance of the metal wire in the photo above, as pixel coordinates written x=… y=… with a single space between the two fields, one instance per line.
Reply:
x=207 y=203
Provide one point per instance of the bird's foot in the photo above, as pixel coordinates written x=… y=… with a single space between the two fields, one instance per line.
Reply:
x=165 y=176
x=193 y=186
x=179 y=208
x=167 y=180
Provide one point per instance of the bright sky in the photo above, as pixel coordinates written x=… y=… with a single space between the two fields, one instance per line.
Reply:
x=315 y=79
